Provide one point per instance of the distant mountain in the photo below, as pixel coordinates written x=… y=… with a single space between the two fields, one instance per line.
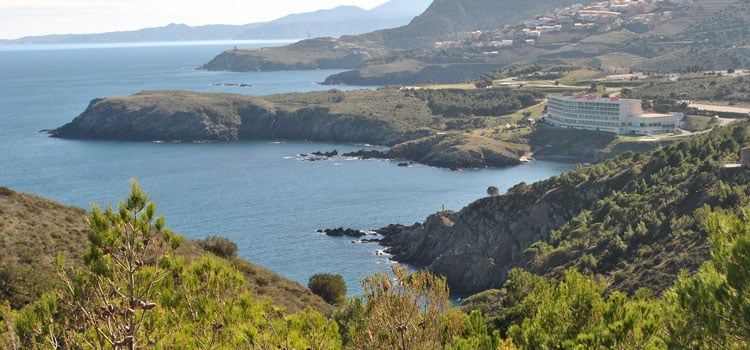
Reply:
x=664 y=37
x=171 y=32
x=342 y=20
x=402 y=7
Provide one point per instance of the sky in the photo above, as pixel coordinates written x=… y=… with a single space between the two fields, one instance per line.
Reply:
x=19 y=18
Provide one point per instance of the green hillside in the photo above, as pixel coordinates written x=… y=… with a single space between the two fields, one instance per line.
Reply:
x=35 y=230
x=635 y=220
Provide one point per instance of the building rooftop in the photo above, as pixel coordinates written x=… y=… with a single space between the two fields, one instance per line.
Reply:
x=590 y=97
x=655 y=115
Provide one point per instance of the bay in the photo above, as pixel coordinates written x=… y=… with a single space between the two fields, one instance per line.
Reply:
x=260 y=194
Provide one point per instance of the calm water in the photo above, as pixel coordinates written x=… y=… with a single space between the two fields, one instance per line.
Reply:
x=257 y=193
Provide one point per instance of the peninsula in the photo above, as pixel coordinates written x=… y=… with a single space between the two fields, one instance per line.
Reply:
x=421 y=125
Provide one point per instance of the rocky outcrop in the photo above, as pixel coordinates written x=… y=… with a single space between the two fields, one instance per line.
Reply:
x=142 y=118
x=477 y=246
x=452 y=151
x=458 y=151
x=340 y=232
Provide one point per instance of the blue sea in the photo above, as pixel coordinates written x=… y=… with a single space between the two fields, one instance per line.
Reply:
x=260 y=194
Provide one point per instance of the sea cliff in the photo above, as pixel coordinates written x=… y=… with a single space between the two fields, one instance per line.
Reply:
x=187 y=116
x=477 y=246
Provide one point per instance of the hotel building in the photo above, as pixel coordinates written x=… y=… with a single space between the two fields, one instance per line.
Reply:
x=610 y=114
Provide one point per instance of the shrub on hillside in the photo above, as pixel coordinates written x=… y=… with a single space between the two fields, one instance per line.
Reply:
x=330 y=287
x=219 y=246
x=4 y=191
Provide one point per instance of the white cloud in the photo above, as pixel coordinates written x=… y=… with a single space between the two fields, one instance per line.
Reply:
x=37 y=17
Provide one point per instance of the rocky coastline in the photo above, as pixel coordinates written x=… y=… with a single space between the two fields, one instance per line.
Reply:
x=401 y=120
x=475 y=247
x=194 y=117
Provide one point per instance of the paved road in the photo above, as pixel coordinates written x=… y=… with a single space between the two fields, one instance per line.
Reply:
x=715 y=108
x=684 y=133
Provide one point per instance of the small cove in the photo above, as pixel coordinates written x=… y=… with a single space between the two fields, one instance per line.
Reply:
x=257 y=193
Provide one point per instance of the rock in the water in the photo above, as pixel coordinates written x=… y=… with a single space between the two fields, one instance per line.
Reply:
x=326 y=154
x=340 y=232
x=367 y=154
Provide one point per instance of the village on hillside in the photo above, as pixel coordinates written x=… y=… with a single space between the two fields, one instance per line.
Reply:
x=605 y=16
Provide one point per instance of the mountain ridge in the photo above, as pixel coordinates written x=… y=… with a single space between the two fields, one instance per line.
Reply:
x=341 y=20
x=455 y=41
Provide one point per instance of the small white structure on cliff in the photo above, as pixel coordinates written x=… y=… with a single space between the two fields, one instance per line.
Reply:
x=610 y=114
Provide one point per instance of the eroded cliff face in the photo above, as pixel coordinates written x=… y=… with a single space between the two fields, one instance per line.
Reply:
x=319 y=124
x=120 y=119
x=477 y=246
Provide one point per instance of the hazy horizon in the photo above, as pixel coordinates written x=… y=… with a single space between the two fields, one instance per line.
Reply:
x=24 y=18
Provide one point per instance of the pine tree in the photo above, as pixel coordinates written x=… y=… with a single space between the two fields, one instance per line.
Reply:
x=411 y=311
x=115 y=299
x=712 y=308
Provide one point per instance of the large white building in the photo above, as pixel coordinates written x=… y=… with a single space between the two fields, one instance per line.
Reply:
x=610 y=114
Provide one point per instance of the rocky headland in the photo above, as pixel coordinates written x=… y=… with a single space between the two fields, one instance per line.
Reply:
x=319 y=53
x=401 y=119
x=188 y=116
x=477 y=246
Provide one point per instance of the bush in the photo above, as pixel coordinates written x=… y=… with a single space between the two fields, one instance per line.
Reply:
x=330 y=287
x=4 y=191
x=493 y=191
x=219 y=246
